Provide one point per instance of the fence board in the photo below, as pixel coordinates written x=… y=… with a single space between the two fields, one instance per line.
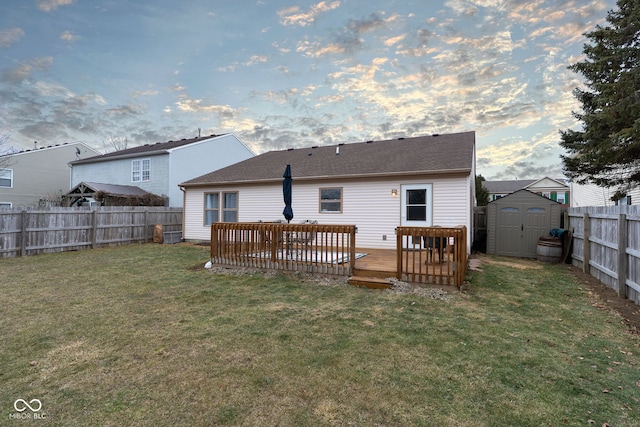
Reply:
x=606 y=244
x=31 y=232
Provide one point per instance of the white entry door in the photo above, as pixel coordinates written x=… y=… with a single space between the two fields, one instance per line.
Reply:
x=417 y=205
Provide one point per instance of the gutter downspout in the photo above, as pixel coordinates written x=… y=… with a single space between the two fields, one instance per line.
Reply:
x=184 y=207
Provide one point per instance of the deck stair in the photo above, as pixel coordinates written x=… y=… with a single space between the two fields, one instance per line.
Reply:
x=372 y=279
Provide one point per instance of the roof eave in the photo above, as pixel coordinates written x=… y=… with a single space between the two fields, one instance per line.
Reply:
x=331 y=177
x=119 y=157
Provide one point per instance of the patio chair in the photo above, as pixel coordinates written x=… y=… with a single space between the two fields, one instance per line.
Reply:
x=305 y=238
x=439 y=244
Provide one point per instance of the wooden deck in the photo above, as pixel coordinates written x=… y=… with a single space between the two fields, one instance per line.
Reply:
x=373 y=269
x=331 y=249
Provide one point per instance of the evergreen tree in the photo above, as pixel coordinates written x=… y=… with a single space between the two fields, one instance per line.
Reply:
x=607 y=149
x=482 y=194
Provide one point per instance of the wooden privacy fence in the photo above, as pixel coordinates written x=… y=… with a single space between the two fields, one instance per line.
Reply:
x=434 y=255
x=36 y=231
x=606 y=244
x=312 y=248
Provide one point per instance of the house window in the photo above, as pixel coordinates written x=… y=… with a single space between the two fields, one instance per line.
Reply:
x=5 y=205
x=213 y=209
x=230 y=207
x=560 y=198
x=331 y=200
x=623 y=201
x=141 y=170
x=6 y=178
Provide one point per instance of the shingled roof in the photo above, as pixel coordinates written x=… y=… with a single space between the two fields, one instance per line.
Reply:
x=509 y=186
x=146 y=149
x=444 y=153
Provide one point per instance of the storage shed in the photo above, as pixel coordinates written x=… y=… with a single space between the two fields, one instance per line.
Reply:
x=517 y=221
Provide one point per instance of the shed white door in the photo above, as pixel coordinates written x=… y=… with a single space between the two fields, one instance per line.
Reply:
x=417 y=205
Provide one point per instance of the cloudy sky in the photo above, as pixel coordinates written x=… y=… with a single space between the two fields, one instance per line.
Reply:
x=282 y=74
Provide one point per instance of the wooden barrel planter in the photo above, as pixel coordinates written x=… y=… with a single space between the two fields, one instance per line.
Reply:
x=549 y=249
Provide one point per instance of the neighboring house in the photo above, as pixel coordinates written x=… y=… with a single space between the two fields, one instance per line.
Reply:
x=554 y=189
x=376 y=185
x=592 y=195
x=34 y=177
x=159 y=168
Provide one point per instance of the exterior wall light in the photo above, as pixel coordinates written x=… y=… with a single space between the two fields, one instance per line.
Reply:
x=394 y=192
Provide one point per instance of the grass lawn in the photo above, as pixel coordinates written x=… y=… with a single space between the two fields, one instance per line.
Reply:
x=143 y=335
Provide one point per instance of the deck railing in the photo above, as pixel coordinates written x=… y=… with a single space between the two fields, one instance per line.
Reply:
x=434 y=255
x=312 y=248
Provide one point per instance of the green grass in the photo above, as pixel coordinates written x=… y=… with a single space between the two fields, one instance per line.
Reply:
x=143 y=335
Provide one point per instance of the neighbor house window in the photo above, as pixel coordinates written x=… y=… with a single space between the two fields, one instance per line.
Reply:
x=215 y=211
x=141 y=170
x=211 y=208
x=6 y=178
x=623 y=201
x=331 y=200
x=5 y=205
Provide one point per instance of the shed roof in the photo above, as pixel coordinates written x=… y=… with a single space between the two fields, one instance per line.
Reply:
x=522 y=196
x=446 y=153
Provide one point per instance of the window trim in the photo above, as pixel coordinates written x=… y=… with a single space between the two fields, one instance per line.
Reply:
x=222 y=208
x=205 y=209
x=225 y=209
x=10 y=178
x=138 y=168
x=340 y=201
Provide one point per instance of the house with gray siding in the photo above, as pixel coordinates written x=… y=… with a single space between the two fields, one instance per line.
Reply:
x=555 y=189
x=159 y=168
x=376 y=185
x=39 y=176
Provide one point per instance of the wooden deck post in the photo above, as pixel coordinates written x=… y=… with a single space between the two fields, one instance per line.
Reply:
x=398 y=255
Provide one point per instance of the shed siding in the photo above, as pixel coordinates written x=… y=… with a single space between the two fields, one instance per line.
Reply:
x=520 y=199
x=368 y=204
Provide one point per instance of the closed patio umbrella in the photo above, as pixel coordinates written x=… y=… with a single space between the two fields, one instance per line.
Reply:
x=286 y=191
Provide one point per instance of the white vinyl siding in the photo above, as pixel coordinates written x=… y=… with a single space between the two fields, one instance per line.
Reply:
x=368 y=204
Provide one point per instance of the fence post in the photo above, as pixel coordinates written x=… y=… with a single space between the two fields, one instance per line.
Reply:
x=622 y=255
x=147 y=236
x=586 y=248
x=94 y=228
x=23 y=233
